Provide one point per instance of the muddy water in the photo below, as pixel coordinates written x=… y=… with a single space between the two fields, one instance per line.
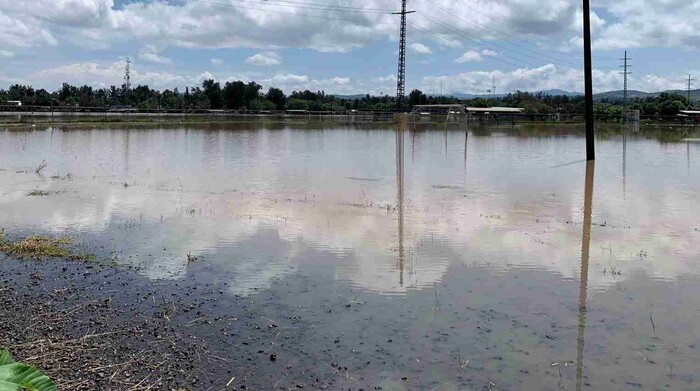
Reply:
x=429 y=259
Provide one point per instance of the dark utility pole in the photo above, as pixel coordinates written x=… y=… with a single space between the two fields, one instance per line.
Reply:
x=401 y=77
x=625 y=66
x=588 y=75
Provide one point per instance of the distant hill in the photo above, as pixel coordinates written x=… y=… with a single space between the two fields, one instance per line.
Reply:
x=618 y=94
x=602 y=96
x=555 y=91
x=356 y=96
x=551 y=92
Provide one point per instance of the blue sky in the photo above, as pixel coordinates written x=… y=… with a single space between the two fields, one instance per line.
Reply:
x=346 y=46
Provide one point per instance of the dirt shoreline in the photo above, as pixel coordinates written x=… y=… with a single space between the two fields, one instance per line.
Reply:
x=100 y=327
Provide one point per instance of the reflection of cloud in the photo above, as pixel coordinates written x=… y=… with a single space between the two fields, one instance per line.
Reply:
x=300 y=194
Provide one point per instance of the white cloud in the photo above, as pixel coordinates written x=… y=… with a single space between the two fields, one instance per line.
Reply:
x=150 y=53
x=470 y=56
x=286 y=79
x=533 y=79
x=216 y=62
x=264 y=59
x=190 y=24
x=6 y=54
x=419 y=48
x=489 y=53
x=102 y=76
x=155 y=58
x=384 y=79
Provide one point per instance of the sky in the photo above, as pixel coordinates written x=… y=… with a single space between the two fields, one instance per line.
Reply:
x=348 y=46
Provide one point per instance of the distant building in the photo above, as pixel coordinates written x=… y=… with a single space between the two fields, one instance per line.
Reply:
x=494 y=110
x=14 y=103
x=690 y=114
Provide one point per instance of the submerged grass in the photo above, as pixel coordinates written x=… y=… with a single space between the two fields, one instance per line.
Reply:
x=40 y=247
x=38 y=193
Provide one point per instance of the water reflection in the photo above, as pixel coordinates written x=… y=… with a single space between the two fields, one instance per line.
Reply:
x=624 y=162
x=585 y=253
x=205 y=191
x=466 y=139
x=400 y=197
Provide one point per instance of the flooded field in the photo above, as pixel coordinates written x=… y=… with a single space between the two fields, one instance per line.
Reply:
x=430 y=259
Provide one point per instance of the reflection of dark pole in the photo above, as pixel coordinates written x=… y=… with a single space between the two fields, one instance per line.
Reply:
x=445 y=142
x=399 y=195
x=466 y=138
x=588 y=61
x=583 y=288
x=624 y=162
x=413 y=145
x=687 y=145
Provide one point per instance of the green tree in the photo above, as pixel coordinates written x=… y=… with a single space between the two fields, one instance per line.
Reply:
x=276 y=96
x=417 y=97
x=212 y=90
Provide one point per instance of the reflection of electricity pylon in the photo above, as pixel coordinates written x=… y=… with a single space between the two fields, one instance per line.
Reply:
x=624 y=162
x=400 y=196
x=585 y=251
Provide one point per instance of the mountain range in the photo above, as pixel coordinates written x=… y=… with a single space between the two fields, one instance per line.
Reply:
x=607 y=96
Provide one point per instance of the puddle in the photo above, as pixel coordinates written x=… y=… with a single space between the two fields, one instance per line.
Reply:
x=438 y=259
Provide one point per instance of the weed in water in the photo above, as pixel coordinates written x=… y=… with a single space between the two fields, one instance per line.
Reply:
x=37 y=247
x=40 y=167
x=191 y=258
x=38 y=193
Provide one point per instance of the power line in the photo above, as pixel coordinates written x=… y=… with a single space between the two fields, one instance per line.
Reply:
x=554 y=46
x=316 y=16
x=300 y=4
x=506 y=37
x=476 y=40
x=500 y=48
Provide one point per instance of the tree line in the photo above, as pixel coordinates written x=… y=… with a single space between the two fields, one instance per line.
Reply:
x=239 y=95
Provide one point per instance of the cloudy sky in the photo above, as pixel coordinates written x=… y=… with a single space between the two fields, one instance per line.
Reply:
x=347 y=46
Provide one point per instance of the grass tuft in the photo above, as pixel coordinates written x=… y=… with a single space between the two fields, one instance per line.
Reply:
x=38 y=193
x=36 y=247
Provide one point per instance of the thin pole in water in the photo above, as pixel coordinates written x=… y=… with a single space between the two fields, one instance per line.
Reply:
x=587 y=59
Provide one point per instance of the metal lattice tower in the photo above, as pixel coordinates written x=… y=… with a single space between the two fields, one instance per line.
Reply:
x=624 y=73
x=401 y=77
x=493 y=88
x=690 y=83
x=127 y=75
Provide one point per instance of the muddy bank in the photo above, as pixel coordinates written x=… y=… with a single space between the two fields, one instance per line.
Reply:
x=103 y=328
x=98 y=327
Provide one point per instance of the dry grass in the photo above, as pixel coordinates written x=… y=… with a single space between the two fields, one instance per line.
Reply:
x=37 y=247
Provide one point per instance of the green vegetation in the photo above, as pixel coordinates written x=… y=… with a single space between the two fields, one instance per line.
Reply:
x=239 y=95
x=16 y=376
x=36 y=247
x=40 y=247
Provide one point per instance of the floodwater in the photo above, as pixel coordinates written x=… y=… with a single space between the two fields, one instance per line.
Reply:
x=468 y=259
